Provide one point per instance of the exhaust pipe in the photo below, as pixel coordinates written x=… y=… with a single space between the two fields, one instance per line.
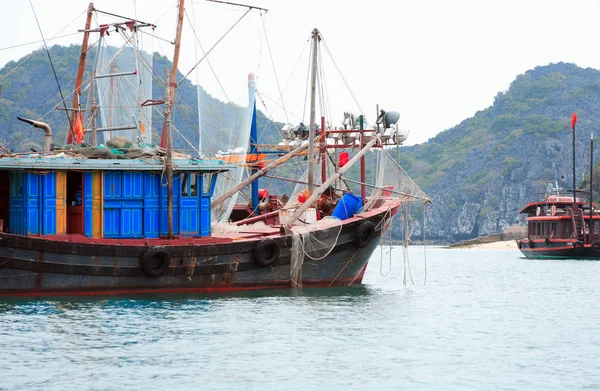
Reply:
x=41 y=125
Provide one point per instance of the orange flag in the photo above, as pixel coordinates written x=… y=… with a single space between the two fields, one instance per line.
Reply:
x=78 y=129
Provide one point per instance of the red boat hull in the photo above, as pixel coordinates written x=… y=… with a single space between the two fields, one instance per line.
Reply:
x=36 y=266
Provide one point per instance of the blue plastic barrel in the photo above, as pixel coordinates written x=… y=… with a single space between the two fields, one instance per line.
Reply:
x=347 y=206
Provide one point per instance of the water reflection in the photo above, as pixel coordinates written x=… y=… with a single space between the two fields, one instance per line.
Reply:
x=168 y=301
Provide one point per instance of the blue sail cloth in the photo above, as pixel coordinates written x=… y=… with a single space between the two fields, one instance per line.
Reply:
x=347 y=206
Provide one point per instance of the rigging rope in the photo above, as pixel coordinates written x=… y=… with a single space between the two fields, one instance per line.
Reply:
x=274 y=71
x=306 y=86
x=34 y=42
x=211 y=49
x=342 y=76
x=424 y=244
x=53 y=70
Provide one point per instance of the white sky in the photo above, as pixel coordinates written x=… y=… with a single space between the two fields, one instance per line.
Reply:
x=436 y=62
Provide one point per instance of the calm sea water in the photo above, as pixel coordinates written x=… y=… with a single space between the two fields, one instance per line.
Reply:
x=486 y=319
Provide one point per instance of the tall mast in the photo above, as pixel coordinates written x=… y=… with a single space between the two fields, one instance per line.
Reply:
x=591 y=224
x=167 y=133
x=173 y=77
x=168 y=160
x=80 y=69
x=311 y=129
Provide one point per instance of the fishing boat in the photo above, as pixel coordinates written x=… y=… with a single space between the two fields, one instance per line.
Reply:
x=562 y=225
x=90 y=219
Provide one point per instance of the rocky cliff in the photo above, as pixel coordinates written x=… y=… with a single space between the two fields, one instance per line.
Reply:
x=481 y=172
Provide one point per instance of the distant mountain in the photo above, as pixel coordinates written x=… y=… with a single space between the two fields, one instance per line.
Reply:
x=30 y=90
x=482 y=171
x=478 y=173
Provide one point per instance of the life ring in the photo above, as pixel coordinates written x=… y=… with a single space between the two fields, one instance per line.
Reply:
x=596 y=246
x=531 y=244
x=266 y=252
x=364 y=233
x=155 y=262
x=548 y=242
x=578 y=245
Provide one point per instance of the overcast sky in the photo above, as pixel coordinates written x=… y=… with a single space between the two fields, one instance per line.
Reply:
x=436 y=62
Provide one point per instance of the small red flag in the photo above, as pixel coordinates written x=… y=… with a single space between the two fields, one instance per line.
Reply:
x=573 y=120
x=78 y=130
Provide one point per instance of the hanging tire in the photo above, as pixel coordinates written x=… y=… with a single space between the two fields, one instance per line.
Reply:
x=578 y=245
x=520 y=245
x=266 y=252
x=596 y=247
x=155 y=262
x=531 y=244
x=364 y=233
x=548 y=242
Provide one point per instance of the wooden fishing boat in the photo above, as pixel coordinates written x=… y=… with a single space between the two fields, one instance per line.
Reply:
x=559 y=227
x=73 y=225
x=562 y=226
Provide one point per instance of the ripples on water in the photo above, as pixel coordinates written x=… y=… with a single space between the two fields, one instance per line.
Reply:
x=486 y=319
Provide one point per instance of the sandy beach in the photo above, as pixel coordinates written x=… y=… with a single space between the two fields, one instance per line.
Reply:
x=502 y=245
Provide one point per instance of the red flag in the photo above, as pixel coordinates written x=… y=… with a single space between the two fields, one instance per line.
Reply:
x=78 y=129
x=573 y=120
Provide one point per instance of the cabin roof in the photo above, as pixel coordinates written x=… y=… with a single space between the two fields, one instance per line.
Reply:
x=65 y=163
x=559 y=204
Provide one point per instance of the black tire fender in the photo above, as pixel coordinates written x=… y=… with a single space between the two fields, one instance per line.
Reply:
x=578 y=245
x=520 y=245
x=531 y=244
x=364 y=234
x=266 y=252
x=596 y=246
x=155 y=262
x=548 y=242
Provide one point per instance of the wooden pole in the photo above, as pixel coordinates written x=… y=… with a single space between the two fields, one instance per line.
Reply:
x=574 y=193
x=313 y=197
x=173 y=78
x=591 y=224
x=170 y=95
x=363 y=177
x=311 y=128
x=79 y=77
x=323 y=151
x=169 y=161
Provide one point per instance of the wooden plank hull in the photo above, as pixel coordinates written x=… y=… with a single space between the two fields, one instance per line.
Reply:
x=37 y=266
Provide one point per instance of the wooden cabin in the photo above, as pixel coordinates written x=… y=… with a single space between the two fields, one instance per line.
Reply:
x=103 y=198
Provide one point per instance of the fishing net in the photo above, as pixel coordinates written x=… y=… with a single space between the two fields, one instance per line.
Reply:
x=314 y=241
x=230 y=144
x=393 y=183
x=120 y=96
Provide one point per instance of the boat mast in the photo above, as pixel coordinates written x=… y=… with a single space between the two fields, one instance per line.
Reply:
x=591 y=224
x=80 y=69
x=311 y=129
x=573 y=122
x=167 y=133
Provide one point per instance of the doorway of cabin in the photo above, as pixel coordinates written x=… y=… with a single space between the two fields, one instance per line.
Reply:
x=74 y=203
x=4 y=201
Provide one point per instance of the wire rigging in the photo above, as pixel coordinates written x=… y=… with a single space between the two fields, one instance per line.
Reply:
x=53 y=70
x=342 y=76
x=274 y=71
